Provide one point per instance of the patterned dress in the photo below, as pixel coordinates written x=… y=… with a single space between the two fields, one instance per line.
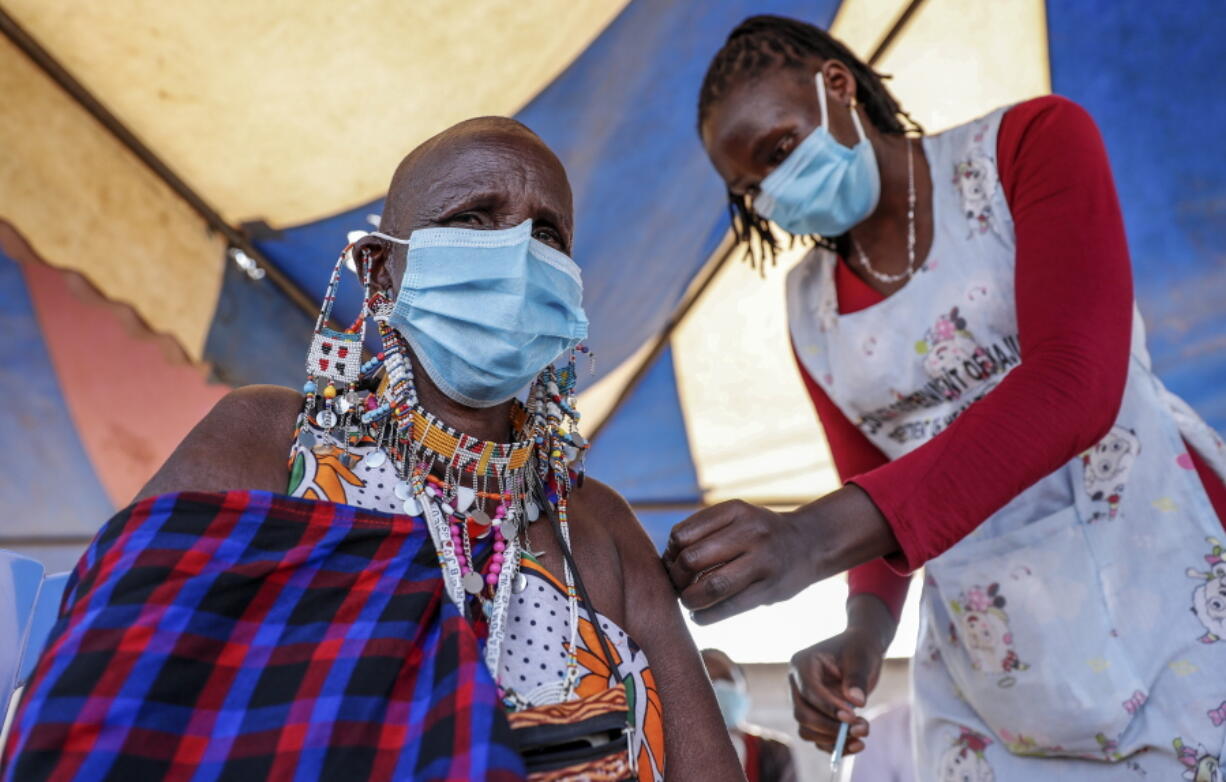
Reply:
x=1076 y=633
x=535 y=648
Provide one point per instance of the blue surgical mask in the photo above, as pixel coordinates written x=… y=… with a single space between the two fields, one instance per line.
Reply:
x=486 y=311
x=822 y=187
x=733 y=701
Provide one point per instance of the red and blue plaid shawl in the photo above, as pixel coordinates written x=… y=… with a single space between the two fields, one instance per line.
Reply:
x=251 y=636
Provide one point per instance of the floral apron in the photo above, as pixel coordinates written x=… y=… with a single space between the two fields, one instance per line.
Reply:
x=1080 y=631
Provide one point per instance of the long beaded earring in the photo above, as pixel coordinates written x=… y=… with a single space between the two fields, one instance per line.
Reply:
x=334 y=362
x=553 y=423
x=560 y=451
x=395 y=402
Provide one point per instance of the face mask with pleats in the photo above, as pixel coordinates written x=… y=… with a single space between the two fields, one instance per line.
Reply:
x=822 y=187
x=486 y=311
x=733 y=701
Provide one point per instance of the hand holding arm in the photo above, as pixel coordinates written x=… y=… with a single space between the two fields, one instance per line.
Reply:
x=735 y=556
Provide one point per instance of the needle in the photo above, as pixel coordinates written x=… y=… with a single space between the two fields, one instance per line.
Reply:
x=836 y=757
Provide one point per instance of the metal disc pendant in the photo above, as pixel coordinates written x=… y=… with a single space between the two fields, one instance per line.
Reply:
x=473 y=583
x=403 y=490
x=464 y=497
x=412 y=506
x=532 y=511
x=509 y=527
x=307 y=438
x=375 y=459
x=480 y=517
x=326 y=419
x=521 y=583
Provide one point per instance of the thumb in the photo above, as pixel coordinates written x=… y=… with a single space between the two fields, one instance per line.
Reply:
x=859 y=670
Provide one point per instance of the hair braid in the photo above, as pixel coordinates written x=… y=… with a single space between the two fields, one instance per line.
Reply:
x=762 y=43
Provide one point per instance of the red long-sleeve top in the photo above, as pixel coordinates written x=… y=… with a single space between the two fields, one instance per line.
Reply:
x=1073 y=289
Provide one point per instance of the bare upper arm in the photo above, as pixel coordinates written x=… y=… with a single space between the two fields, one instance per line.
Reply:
x=243 y=443
x=696 y=741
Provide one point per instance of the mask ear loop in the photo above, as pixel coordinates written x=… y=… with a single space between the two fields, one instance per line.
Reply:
x=392 y=239
x=821 y=101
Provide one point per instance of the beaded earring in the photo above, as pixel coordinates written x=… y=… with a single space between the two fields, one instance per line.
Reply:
x=334 y=362
x=560 y=452
x=553 y=422
x=400 y=397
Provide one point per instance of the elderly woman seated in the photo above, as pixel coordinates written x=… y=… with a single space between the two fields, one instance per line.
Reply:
x=399 y=573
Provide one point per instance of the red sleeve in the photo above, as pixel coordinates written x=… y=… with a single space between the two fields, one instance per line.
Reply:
x=1074 y=310
x=853 y=454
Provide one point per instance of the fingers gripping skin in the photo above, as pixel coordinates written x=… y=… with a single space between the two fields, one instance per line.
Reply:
x=685 y=555
x=736 y=556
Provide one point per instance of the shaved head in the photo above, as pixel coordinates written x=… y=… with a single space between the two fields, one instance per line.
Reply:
x=485 y=173
x=419 y=166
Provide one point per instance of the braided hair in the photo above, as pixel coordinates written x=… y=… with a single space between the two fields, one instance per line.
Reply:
x=762 y=43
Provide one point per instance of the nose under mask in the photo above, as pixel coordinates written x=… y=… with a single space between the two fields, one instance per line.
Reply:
x=822 y=187
x=486 y=311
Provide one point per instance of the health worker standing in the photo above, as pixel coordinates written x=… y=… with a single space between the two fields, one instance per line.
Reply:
x=965 y=325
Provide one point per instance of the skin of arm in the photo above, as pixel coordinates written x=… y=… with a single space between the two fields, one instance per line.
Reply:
x=243 y=443
x=697 y=745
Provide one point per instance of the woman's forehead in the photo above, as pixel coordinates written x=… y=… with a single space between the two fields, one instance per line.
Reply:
x=513 y=166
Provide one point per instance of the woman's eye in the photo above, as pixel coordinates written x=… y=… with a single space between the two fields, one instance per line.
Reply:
x=548 y=236
x=782 y=150
x=465 y=218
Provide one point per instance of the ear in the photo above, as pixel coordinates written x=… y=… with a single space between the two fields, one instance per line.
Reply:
x=840 y=84
x=378 y=253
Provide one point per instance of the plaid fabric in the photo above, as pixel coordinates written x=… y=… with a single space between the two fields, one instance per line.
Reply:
x=251 y=636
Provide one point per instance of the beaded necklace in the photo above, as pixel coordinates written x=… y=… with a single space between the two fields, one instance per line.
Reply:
x=449 y=478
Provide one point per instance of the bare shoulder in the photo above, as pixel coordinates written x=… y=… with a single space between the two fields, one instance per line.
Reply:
x=243 y=443
x=253 y=406
x=597 y=501
x=644 y=582
x=596 y=496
